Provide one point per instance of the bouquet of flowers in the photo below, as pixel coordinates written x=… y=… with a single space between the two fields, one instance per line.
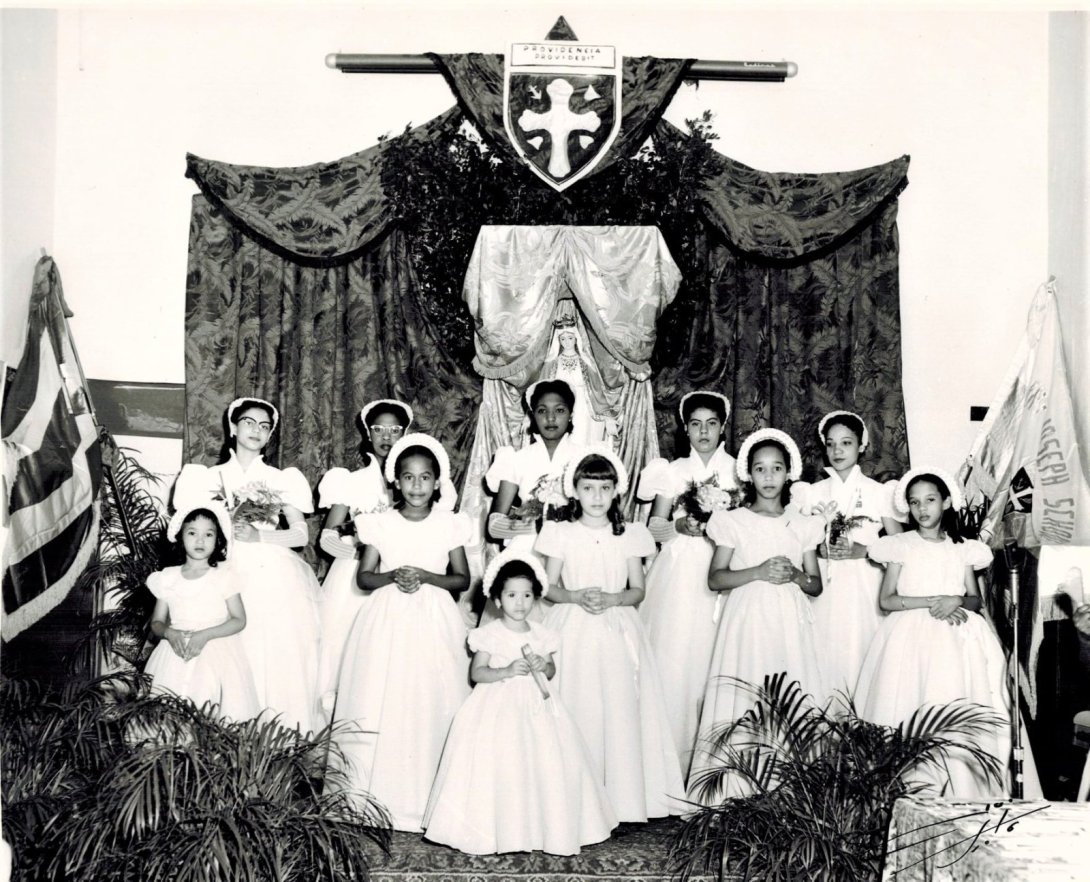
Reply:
x=839 y=526
x=253 y=503
x=545 y=500
x=348 y=527
x=702 y=498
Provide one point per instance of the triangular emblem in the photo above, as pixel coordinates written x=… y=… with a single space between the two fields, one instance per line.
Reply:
x=562 y=106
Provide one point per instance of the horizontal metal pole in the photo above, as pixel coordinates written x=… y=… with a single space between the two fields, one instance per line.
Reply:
x=768 y=71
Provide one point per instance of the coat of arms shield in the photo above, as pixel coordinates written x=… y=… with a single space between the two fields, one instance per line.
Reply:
x=562 y=106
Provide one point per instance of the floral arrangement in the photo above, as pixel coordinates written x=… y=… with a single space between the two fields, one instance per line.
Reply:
x=254 y=503
x=348 y=527
x=839 y=526
x=545 y=500
x=703 y=498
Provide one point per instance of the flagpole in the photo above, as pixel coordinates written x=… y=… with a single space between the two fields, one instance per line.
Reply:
x=1010 y=550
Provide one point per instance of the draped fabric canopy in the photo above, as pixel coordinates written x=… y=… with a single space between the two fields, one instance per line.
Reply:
x=324 y=286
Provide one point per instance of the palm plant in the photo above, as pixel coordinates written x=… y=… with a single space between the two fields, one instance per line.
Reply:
x=820 y=784
x=103 y=781
x=131 y=546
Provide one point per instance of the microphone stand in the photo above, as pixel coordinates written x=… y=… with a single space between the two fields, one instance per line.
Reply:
x=1010 y=555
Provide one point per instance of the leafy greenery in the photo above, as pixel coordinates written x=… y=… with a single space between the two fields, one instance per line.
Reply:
x=131 y=546
x=444 y=188
x=104 y=781
x=822 y=785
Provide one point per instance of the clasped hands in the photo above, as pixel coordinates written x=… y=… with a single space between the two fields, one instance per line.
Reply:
x=186 y=644
x=947 y=608
x=687 y=525
x=777 y=570
x=595 y=600
x=520 y=667
x=408 y=579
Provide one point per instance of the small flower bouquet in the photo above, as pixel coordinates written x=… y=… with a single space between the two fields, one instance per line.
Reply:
x=701 y=499
x=254 y=503
x=545 y=500
x=839 y=526
x=348 y=527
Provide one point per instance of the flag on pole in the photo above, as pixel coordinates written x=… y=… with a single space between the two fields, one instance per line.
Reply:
x=1025 y=472
x=52 y=466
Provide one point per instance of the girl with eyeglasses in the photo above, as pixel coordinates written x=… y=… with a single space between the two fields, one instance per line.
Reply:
x=347 y=494
x=279 y=590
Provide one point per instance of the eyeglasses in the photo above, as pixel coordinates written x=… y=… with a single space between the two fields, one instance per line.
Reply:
x=386 y=431
x=251 y=424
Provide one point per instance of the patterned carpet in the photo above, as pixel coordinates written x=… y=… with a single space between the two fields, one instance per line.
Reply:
x=635 y=852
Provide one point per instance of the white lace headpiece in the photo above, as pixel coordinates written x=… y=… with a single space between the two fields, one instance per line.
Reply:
x=863 y=442
x=191 y=503
x=688 y=395
x=393 y=402
x=529 y=393
x=900 y=494
x=605 y=453
x=234 y=405
x=794 y=465
x=448 y=496
x=507 y=556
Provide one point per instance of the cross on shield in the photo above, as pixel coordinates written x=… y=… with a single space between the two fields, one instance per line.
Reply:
x=562 y=107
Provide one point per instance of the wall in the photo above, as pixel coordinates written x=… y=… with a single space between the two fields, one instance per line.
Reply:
x=28 y=144
x=965 y=93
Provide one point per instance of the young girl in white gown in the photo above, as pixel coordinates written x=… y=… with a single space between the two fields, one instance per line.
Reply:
x=404 y=672
x=277 y=586
x=198 y=613
x=680 y=611
x=609 y=680
x=846 y=613
x=935 y=647
x=348 y=494
x=765 y=559
x=515 y=774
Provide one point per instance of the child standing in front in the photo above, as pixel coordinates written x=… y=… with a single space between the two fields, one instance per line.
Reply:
x=935 y=647
x=515 y=774
x=609 y=679
x=846 y=613
x=197 y=613
x=765 y=558
x=403 y=676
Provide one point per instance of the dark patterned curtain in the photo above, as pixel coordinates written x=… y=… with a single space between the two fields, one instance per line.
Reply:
x=324 y=286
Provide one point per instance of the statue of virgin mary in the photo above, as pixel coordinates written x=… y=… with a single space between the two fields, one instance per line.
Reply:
x=565 y=360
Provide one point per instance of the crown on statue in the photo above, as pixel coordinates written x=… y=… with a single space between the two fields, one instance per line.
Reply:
x=565 y=321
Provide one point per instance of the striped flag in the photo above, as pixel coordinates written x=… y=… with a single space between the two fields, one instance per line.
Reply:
x=52 y=466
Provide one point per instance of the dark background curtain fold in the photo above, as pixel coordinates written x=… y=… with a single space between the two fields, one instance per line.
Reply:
x=325 y=286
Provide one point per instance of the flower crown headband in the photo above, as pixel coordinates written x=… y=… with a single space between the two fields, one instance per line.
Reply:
x=507 y=556
x=863 y=442
x=189 y=504
x=688 y=395
x=900 y=494
x=605 y=453
x=448 y=496
x=234 y=405
x=393 y=402
x=794 y=465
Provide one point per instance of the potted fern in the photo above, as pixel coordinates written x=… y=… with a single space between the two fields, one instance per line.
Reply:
x=821 y=784
x=104 y=781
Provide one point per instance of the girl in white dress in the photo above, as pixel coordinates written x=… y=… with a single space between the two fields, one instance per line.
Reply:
x=515 y=473
x=348 y=494
x=846 y=613
x=765 y=559
x=609 y=679
x=679 y=611
x=277 y=586
x=197 y=613
x=404 y=672
x=515 y=774
x=935 y=647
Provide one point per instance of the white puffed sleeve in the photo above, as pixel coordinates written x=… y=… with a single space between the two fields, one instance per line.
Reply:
x=889 y=549
x=461 y=531
x=544 y=639
x=335 y=488
x=723 y=530
x=638 y=541
x=295 y=490
x=504 y=468
x=975 y=554
x=369 y=527
x=196 y=484
x=656 y=479
x=160 y=583
x=483 y=639
x=802 y=496
x=809 y=530
x=550 y=541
